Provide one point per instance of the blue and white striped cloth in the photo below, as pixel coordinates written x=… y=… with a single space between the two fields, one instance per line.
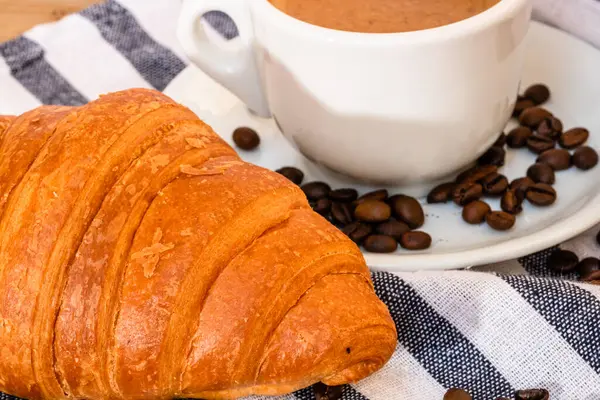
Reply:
x=504 y=327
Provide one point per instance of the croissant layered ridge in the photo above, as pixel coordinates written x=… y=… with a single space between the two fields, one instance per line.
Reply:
x=141 y=258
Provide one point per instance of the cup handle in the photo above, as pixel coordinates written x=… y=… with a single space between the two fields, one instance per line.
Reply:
x=237 y=71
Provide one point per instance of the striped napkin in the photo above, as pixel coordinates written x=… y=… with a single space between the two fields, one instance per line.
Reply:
x=504 y=327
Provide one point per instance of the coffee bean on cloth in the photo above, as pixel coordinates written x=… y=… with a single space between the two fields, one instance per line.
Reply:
x=467 y=329
x=563 y=261
x=246 y=138
x=457 y=394
x=532 y=394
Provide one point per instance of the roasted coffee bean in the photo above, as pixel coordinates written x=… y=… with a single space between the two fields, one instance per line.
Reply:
x=517 y=138
x=441 y=193
x=541 y=194
x=415 y=240
x=532 y=394
x=246 y=138
x=392 y=228
x=558 y=159
x=539 y=144
x=593 y=277
x=474 y=174
x=533 y=116
x=494 y=184
x=357 y=231
x=293 y=174
x=585 y=158
x=322 y=206
x=343 y=195
x=494 y=156
x=316 y=190
x=341 y=213
x=465 y=193
x=521 y=105
x=520 y=185
x=538 y=93
x=475 y=212
x=541 y=173
x=563 y=261
x=598 y=238
x=550 y=127
x=408 y=210
x=500 y=220
x=380 y=244
x=372 y=211
x=573 y=138
x=589 y=269
x=511 y=203
x=324 y=392
x=457 y=394
x=501 y=141
x=381 y=195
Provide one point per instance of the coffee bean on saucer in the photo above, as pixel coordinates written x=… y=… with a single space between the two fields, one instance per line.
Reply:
x=501 y=141
x=341 y=213
x=380 y=244
x=345 y=195
x=558 y=159
x=246 y=138
x=316 y=190
x=573 y=138
x=500 y=220
x=550 y=127
x=293 y=174
x=539 y=144
x=415 y=240
x=475 y=212
x=589 y=269
x=324 y=392
x=585 y=158
x=494 y=184
x=408 y=210
x=563 y=261
x=357 y=231
x=532 y=394
x=541 y=194
x=474 y=174
x=372 y=211
x=465 y=193
x=441 y=193
x=520 y=185
x=538 y=93
x=457 y=394
x=511 y=203
x=533 y=116
x=392 y=228
x=494 y=156
x=521 y=105
x=381 y=195
x=322 y=206
x=517 y=137
x=541 y=173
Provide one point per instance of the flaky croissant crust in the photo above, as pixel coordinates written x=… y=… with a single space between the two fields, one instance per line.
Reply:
x=140 y=257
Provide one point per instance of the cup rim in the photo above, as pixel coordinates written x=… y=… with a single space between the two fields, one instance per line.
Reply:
x=478 y=22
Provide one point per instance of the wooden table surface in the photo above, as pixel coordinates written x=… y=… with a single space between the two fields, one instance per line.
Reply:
x=16 y=16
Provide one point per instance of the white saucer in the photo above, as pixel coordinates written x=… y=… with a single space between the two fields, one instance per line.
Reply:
x=568 y=66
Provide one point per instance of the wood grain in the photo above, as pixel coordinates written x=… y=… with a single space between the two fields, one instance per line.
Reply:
x=16 y=16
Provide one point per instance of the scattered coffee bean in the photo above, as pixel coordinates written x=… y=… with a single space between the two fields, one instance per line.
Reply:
x=541 y=194
x=521 y=185
x=494 y=184
x=324 y=392
x=408 y=210
x=316 y=190
x=372 y=211
x=357 y=231
x=532 y=394
x=517 y=138
x=441 y=193
x=501 y=141
x=322 y=206
x=563 y=261
x=293 y=174
x=381 y=195
x=341 y=213
x=457 y=394
x=415 y=240
x=573 y=138
x=533 y=116
x=593 y=277
x=558 y=159
x=465 y=193
x=494 y=156
x=585 y=158
x=246 y=138
x=550 y=127
x=539 y=144
x=474 y=174
x=511 y=203
x=343 y=195
x=521 y=105
x=380 y=244
x=541 y=173
x=475 y=212
x=392 y=228
x=589 y=269
x=538 y=93
x=500 y=220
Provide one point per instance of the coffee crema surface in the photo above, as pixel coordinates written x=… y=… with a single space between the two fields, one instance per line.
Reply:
x=382 y=16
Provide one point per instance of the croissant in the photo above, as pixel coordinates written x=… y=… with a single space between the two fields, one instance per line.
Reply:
x=141 y=258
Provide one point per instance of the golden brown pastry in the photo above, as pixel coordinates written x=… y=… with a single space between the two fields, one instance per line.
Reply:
x=140 y=258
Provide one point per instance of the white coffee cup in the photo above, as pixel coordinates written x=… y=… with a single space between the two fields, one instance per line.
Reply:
x=398 y=108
